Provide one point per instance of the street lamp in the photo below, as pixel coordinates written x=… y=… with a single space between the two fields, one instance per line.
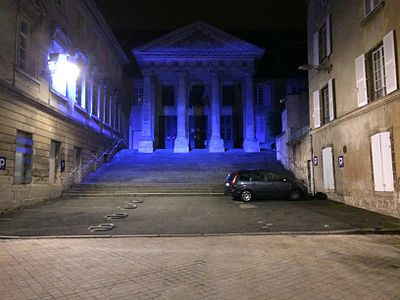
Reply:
x=308 y=67
x=59 y=65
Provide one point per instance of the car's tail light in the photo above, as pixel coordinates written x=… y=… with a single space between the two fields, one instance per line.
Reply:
x=235 y=179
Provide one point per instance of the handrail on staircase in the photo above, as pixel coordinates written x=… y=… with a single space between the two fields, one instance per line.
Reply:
x=108 y=151
x=95 y=159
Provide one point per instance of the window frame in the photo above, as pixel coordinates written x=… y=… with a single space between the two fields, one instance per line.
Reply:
x=259 y=95
x=371 y=6
x=27 y=37
x=25 y=161
x=137 y=96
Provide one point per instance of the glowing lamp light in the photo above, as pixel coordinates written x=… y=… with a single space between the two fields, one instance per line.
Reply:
x=60 y=66
x=68 y=69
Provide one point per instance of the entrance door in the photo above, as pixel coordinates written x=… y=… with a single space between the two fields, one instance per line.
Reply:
x=54 y=163
x=198 y=132
x=77 y=164
x=167 y=133
x=227 y=131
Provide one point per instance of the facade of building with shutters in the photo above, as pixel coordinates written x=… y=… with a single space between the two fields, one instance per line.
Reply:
x=355 y=101
x=61 y=97
x=197 y=92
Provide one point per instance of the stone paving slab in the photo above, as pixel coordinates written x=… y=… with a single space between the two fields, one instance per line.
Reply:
x=230 y=267
x=200 y=215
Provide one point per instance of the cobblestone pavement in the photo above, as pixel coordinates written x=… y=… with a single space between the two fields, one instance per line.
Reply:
x=213 y=267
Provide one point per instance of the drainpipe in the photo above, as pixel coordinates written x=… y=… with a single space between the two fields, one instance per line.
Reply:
x=312 y=163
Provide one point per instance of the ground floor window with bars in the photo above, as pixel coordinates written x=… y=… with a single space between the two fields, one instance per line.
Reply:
x=23 y=158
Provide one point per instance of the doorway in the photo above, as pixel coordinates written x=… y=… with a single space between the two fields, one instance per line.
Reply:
x=55 y=161
x=77 y=165
x=227 y=131
x=167 y=132
x=197 y=132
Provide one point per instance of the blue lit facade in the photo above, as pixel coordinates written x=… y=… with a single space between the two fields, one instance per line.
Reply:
x=196 y=92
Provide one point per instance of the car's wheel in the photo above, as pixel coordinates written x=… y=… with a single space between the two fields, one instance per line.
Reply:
x=246 y=196
x=295 y=194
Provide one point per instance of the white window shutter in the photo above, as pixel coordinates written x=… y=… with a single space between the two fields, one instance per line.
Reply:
x=317 y=110
x=327 y=162
x=315 y=58
x=387 y=166
x=377 y=162
x=331 y=100
x=328 y=35
x=361 y=80
x=390 y=62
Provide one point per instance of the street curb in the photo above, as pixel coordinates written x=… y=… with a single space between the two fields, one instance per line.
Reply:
x=142 y=194
x=366 y=231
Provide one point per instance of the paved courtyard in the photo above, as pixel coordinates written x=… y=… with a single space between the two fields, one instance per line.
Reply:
x=219 y=267
x=200 y=215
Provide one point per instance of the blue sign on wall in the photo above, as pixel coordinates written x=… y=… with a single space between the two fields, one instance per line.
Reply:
x=341 y=161
x=3 y=163
x=315 y=161
x=62 y=165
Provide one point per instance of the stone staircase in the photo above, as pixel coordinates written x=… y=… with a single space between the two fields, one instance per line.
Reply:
x=198 y=172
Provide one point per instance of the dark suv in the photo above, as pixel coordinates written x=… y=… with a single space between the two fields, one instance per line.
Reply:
x=248 y=184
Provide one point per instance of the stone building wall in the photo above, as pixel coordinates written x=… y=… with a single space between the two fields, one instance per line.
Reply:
x=35 y=117
x=355 y=33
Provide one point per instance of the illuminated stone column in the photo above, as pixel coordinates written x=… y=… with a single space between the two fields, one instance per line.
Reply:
x=181 y=142
x=216 y=142
x=146 y=141
x=250 y=143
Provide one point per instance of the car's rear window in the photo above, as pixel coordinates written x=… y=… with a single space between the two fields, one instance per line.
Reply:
x=244 y=176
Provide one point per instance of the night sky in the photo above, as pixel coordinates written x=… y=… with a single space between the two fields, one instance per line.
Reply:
x=277 y=26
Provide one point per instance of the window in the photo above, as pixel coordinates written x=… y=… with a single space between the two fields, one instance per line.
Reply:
x=168 y=95
x=107 y=107
x=382 y=165
x=370 y=5
x=322 y=42
x=376 y=74
x=23 y=45
x=23 y=158
x=259 y=95
x=228 y=95
x=324 y=105
x=327 y=163
x=80 y=99
x=197 y=95
x=244 y=176
x=81 y=89
x=137 y=96
x=95 y=99
x=257 y=176
x=376 y=71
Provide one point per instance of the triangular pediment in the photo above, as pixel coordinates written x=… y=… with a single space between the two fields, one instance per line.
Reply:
x=198 y=38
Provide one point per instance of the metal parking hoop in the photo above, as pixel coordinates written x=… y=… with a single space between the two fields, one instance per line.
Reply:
x=116 y=216
x=102 y=227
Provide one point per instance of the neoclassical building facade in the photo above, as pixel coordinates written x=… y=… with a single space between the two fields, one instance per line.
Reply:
x=196 y=92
